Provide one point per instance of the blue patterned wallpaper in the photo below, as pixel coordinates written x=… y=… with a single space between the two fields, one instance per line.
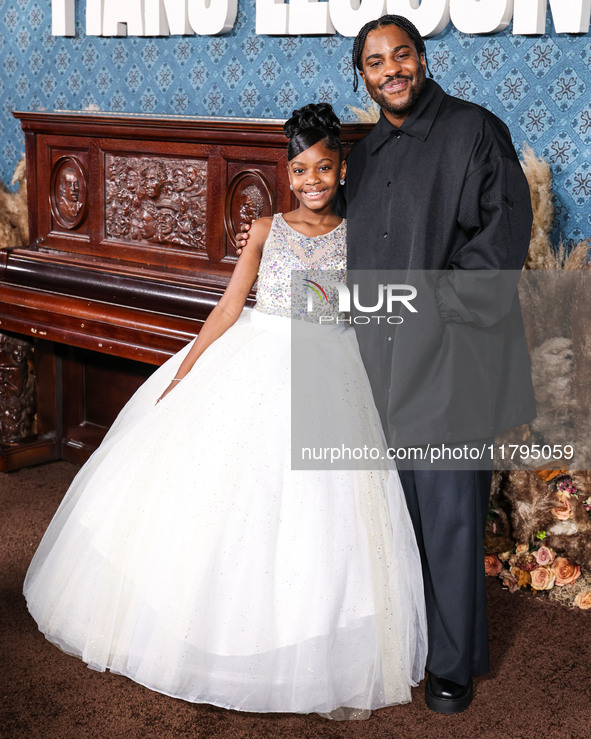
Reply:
x=539 y=85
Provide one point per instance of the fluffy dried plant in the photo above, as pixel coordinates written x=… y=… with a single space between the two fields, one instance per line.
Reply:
x=575 y=257
x=552 y=374
x=368 y=114
x=582 y=481
x=569 y=596
x=573 y=538
x=541 y=255
x=531 y=501
x=539 y=179
x=498 y=535
x=14 y=219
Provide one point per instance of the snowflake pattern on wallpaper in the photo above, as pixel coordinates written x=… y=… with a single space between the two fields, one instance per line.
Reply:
x=540 y=86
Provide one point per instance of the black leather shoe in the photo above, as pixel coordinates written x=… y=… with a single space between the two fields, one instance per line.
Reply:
x=445 y=696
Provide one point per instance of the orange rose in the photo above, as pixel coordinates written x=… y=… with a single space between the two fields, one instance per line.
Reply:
x=522 y=549
x=564 y=511
x=523 y=578
x=566 y=572
x=583 y=600
x=492 y=565
x=542 y=578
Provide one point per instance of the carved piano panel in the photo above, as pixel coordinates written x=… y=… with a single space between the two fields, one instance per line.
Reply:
x=132 y=223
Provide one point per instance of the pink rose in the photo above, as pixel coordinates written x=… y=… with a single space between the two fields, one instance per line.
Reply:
x=583 y=600
x=566 y=572
x=542 y=578
x=509 y=581
x=544 y=556
x=564 y=511
x=492 y=565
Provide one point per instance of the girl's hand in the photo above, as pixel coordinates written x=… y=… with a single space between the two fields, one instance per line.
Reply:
x=168 y=389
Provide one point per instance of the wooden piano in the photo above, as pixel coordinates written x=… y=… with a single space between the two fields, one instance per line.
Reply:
x=132 y=229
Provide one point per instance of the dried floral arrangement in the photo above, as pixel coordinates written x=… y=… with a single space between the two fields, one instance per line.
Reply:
x=539 y=529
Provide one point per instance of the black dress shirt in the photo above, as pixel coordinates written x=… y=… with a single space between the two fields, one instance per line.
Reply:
x=448 y=178
x=445 y=191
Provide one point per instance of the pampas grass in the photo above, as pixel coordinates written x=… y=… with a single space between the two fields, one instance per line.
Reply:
x=566 y=595
x=539 y=179
x=368 y=114
x=541 y=255
x=14 y=219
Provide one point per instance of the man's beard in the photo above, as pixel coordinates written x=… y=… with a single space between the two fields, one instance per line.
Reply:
x=417 y=87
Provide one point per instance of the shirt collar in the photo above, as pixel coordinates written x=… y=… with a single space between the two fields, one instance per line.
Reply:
x=419 y=121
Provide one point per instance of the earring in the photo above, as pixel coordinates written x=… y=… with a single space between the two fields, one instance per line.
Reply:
x=342 y=182
x=290 y=186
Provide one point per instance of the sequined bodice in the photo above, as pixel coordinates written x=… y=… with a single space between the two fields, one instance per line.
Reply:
x=287 y=250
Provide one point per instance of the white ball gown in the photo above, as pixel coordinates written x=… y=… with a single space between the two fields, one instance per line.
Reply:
x=190 y=557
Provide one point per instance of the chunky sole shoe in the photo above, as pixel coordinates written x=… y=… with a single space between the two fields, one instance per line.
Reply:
x=445 y=696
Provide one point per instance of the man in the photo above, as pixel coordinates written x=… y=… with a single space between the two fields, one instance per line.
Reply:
x=436 y=185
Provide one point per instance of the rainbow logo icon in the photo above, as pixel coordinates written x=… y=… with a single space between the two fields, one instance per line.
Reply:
x=317 y=289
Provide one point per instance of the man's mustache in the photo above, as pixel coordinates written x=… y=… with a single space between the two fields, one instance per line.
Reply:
x=395 y=77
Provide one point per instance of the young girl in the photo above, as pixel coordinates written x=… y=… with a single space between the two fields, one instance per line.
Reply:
x=190 y=557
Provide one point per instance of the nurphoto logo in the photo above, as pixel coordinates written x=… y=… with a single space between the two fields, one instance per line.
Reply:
x=388 y=298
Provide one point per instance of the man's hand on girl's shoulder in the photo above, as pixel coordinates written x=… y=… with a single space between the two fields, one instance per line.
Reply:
x=254 y=234
x=242 y=238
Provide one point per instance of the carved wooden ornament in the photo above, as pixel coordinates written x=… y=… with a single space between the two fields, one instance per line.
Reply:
x=17 y=389
x=249 y=197
x=156 y=200
x=68 y=192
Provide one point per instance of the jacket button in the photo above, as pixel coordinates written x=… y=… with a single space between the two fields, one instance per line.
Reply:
x=386 y=235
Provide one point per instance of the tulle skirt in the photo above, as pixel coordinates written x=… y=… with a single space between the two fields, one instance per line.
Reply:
x=190 y=557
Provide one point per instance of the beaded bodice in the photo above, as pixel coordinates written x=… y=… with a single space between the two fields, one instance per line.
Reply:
x=288 y=250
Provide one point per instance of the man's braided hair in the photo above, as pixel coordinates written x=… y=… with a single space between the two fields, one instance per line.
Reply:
x=386 y=20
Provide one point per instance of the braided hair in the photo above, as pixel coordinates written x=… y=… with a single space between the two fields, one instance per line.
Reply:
x=386 y=20
x=309 y=125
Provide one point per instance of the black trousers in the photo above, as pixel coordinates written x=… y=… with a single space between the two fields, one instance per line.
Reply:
x=448 y=510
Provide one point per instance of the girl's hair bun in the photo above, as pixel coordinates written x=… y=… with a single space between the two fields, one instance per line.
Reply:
x=313 y=123
x=313 y=115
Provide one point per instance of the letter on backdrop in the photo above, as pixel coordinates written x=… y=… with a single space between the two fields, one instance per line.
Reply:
x=121 y=17
x=309 y=17
x=63 y=18
x=212 y=17
x=271 y=17
x=481 y=16
x=569 y=17
x=430 y=16
x=165 y=17
x=94 y=17
x=349 y=16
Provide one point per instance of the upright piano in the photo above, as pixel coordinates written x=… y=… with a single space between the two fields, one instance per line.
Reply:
x=132 y=224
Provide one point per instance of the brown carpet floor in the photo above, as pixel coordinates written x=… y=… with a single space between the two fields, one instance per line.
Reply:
x=540 y=684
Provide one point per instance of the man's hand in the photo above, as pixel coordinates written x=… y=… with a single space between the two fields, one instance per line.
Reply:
x=242 y=238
